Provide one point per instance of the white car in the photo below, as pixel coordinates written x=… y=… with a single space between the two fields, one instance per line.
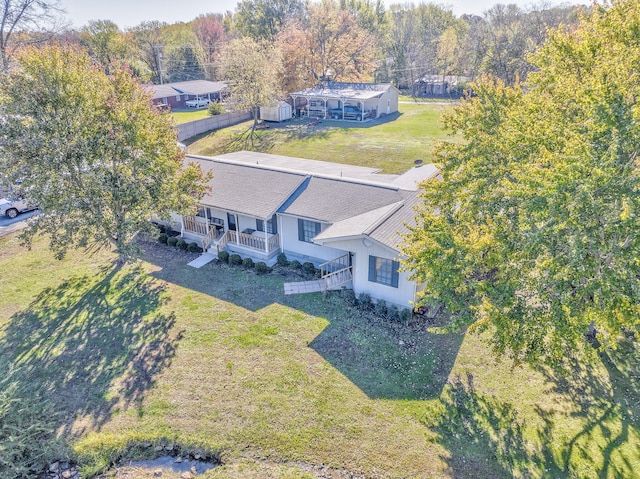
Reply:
x=10 y=207
x=197 y=102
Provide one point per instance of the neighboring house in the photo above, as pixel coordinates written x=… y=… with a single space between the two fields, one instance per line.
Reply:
x=440 y=85
x=373 y=99
x=345 y=219
x=174 y=95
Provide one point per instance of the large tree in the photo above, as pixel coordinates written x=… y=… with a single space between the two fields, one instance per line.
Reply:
x=211 y=36
x=106 y=43
x=532 y=233
x=17 y=16
x=254 y=73
x=263 y=19
x=91 y=150
x=329 y=44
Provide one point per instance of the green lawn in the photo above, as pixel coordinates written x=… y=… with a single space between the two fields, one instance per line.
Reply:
x=392 y=143
x=191 y=115
x=219 y=360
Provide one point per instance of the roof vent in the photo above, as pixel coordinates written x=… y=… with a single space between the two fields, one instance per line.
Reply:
x=418 y=162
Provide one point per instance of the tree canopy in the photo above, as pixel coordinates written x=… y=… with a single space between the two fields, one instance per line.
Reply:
x=532 y=231
x=90 y=150
x=256 y=70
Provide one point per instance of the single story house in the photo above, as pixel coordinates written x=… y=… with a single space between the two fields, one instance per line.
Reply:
x=174 y=95
x=347 y=220
x=440 y=85
x=373 y=99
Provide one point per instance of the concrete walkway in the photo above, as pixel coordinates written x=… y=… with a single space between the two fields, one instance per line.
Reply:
x=201 y=260
x=304 y=287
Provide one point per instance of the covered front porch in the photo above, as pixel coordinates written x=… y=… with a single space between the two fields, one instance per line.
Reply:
x=219 y=230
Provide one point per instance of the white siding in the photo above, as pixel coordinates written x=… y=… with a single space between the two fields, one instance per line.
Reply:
x=291 y=244
x=400 y=296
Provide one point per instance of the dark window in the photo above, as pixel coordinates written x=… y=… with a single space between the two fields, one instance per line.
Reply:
x=272 y=225
x=383 y=271
x=307 y=230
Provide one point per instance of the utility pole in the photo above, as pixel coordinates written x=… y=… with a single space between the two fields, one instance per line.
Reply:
x=157 y=48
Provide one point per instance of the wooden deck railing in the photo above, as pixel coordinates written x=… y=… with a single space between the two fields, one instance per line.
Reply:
x=209 y=238
x=192 y=225
x=334 y=265
x=248 y=241
x=337 y=278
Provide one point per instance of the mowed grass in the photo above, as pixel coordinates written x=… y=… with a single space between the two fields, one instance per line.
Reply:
x=392 y=143
x=219 y=360
x=186 y=116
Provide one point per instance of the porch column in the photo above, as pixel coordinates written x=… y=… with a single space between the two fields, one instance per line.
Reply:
x=237 y=232
x=206 y=217
x=362 y=110
x=266 y=238
x=181 y=226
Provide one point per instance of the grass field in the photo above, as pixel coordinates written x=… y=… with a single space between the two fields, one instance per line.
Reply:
x=191 y=115
x=219 y=360
x=392 y=143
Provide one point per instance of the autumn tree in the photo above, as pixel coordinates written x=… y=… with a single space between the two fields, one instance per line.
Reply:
x=211 y=37
x=107 y=43
x=254 y=73
x=19 y=16
x=91 y=150
x=329 y=44
x=150 y=39
x=263 y=19
x=532 y=232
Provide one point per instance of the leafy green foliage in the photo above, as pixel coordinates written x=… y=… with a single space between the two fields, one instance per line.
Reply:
x=223 y=256
x=281 y=259
x=235 y=260
x=194 y=248
x=172 y=240
x=261 y=267
x=247 y=263
x=91 y=151
x=215 y=108
x=27 y=426
x=256 y=72
x=532 y=231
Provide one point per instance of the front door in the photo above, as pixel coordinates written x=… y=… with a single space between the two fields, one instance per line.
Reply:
x=231 y=221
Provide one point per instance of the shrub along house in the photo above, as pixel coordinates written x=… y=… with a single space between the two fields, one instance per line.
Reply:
x=340 y=100
x=345 y=219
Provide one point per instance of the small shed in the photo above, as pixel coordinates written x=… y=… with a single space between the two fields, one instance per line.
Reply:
x=280 y=111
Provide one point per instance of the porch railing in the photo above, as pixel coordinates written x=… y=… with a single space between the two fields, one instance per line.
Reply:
x=192 y=225
x=334 y=265
x=248 y=241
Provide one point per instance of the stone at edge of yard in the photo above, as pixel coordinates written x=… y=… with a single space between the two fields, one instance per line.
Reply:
x=193 y=470
x=178 y=459
x=158 y=448
x=68 y=474
x=186 y=475
x=169 y=447
x=157 y=473
x=54 y=467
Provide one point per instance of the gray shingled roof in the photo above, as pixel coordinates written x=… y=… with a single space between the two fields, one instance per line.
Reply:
x=249 y=190
x=356 y=91
x=191 y=87
x=390 y=231
x=331 y=200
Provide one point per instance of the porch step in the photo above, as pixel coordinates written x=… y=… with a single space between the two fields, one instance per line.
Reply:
x=304 y=287
x=201 y=260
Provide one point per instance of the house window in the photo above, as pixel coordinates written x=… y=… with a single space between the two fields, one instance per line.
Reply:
x=383 y=271
x=272 y=225
x=307 y=230
x=177 y=97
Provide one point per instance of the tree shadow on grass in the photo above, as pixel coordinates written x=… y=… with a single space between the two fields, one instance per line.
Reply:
x=484 y=437
x=385 y=359
x=92 y=345
x=608 y=408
